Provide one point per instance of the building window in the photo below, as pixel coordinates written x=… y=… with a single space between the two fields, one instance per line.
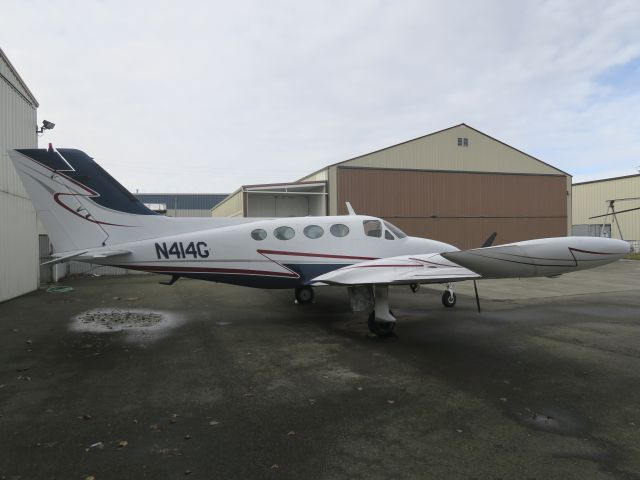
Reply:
x=339 y=230
x=313 y=231
x=284 y=233
x=463 y=142
x=459 y=141
x=259 y=234
x=372 y=228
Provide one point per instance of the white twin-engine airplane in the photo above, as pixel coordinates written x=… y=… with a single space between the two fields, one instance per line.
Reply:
x=90 y=217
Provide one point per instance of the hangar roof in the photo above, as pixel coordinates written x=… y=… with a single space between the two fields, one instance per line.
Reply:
x=610 y=179
x=440 y=151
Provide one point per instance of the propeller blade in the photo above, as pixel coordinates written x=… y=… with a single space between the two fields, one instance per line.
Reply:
x=489 y=241
x=475 y=287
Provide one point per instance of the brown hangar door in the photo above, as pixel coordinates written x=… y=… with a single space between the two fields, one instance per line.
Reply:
x=460 y=208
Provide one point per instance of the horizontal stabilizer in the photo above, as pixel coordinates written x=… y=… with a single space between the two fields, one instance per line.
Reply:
x=85 y=255
x=63 y=258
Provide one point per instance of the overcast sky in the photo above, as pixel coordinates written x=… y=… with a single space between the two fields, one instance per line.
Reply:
x=206 y=96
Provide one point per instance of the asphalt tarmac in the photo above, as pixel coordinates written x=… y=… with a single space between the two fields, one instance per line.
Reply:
x=123 y=378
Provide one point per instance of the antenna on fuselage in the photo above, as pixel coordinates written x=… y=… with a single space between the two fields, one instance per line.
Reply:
x=350 y=208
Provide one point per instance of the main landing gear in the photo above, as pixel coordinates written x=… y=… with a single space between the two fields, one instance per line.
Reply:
x=381 y=320
x=304 y=295
x=448 y=297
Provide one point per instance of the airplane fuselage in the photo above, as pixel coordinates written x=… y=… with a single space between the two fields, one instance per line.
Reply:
x=273 y=253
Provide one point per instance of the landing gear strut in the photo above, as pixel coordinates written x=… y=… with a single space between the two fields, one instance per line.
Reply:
x=381 y=320
x=448 y=297
x=304 y=295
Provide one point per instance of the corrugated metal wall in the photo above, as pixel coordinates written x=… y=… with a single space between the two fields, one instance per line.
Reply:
x=232 y=206
x=18 y=224
x=459 y=208
x=589 y=199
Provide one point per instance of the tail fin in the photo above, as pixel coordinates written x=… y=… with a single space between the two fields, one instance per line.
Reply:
x=80 y=205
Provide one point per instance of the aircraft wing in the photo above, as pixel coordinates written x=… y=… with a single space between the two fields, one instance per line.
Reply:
x=546 y=257
x=402 y=270
x=85 y=255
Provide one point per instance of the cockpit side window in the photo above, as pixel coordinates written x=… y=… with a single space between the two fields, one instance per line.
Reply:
x=396 y=231
x=388 y=236
x=372 y=228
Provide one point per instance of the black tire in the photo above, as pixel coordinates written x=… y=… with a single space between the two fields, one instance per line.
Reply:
x=380 y=329
x=305 y=295
x=449 y=299
x=414 y=287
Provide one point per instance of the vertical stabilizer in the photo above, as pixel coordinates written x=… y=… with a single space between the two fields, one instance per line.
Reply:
x=79 y=204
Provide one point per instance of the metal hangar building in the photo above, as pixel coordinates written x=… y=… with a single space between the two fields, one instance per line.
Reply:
x=600 y=199
x=457 y=185
x=18 y=223
x=181 y=204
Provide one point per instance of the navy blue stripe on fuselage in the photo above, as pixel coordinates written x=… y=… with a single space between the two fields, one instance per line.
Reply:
x=309 y=271
x=306 y=272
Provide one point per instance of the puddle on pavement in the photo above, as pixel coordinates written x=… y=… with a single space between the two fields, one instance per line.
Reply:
x=138 y=324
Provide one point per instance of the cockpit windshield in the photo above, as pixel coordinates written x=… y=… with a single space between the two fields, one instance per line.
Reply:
x=398 y=233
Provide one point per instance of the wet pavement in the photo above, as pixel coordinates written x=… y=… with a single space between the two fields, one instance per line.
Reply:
x=124 y=378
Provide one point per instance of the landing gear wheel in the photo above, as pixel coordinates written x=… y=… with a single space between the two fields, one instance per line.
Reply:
x=448 y=298
x=380 y=329
x=304 y=295
x=414 y=287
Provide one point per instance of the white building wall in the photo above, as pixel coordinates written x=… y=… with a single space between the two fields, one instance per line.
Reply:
x=18 y=224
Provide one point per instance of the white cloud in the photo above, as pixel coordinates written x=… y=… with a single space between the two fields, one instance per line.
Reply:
x=203 y=96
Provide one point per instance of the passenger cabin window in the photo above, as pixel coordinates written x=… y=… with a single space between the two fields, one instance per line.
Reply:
x=339 y=230
x=284 y=233
x=313 y=231
x=372 y=228
x=259 y=234
x=388 y=236
x=396 y=231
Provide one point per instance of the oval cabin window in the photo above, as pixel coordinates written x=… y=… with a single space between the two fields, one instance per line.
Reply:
x=259 y=234
x=339 y=230
x=313 y=231
x=284 y=233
